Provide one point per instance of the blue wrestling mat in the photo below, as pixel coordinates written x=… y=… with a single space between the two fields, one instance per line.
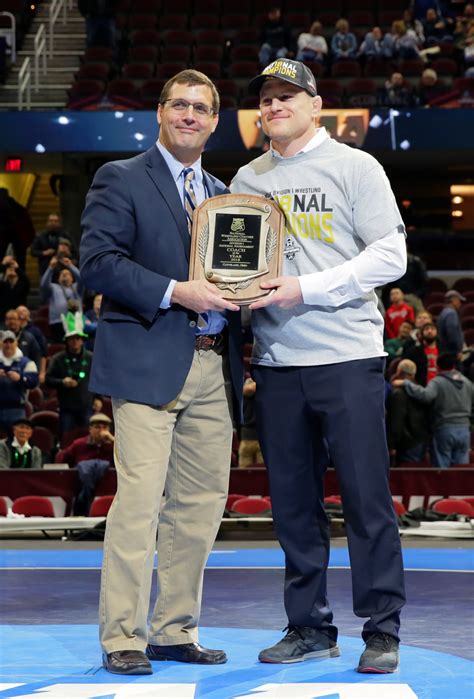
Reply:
x=414 y=559
x=61 y=662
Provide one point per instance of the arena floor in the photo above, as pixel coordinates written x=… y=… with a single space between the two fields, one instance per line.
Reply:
x=50 y=650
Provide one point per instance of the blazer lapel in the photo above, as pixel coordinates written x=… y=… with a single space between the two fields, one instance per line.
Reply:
x=161 y=176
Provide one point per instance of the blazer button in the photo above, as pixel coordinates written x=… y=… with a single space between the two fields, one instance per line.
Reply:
x=192 y=323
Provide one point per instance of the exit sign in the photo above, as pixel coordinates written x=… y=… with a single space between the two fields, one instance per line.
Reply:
x=13 y=165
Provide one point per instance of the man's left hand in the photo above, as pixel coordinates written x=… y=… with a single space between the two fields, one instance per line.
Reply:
x=14 y=376
x=286 y=293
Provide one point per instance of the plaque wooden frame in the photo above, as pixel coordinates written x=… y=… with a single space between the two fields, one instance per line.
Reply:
x=237 y=241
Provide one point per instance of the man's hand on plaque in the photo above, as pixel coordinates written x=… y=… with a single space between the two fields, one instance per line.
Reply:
x=286 y=293
x=201 y=296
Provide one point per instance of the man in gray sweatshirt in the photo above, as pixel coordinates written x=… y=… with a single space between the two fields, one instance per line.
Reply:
x=451 y=396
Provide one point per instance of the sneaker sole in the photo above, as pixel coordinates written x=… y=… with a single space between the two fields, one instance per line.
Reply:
x=330 y=653
x=376 y=670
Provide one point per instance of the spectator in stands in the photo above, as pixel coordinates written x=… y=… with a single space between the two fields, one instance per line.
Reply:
x=407 y=420
x=64 y=296
x=16 y=228
x=249 y=447
x=343 y=42
x=421 y=318
x=92 y=456
x=17 y=375
x=16 y=451
x=68 y=372
x=98 y=444
x=397 y=92
x=451 y=397
x=414 y=281
x=451 y=336
x=396 y=313
x=400 y=42
x=91 y=318
x=414 y=24
x=468 y=52
x=100 y=21
x=437 y=29
x=394 y=347
x=26 y=341
x=372 y=46
x=430 y=87
x=26 y=325
x=424 y=351
x=14 y=284
x=45 y=245
x=275 y=38
x=312 y=45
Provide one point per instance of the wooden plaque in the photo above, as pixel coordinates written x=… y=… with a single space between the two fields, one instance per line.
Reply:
x=237 y=241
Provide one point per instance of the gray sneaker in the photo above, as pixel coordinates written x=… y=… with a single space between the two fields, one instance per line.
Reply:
x=300 y=643
x=380 y=655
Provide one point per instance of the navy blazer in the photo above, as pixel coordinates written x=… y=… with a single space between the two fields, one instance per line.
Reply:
x=135 y=239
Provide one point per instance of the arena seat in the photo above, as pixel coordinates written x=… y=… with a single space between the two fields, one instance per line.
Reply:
x=48 y=419
x=43 y=439
x=250 y=506
x=399 y=507
x=231 y=498
x=101 y=505
x=454 y=506
x=33 y=506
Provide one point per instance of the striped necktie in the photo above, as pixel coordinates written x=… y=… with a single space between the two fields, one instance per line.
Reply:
x=190 y=202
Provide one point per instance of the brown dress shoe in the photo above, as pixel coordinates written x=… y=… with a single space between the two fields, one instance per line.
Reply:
x=127 y=662
x=187 y=653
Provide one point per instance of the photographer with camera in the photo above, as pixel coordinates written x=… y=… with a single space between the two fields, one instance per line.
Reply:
x=68 y=372
x=14 y=284
x=64 y=296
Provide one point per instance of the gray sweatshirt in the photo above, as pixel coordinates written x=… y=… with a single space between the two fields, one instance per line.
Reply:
x=451 y=395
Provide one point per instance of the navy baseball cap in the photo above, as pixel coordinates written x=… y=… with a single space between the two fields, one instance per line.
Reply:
x=293 y=72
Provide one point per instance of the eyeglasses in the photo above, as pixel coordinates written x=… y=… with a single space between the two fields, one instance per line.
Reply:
x=199 y=108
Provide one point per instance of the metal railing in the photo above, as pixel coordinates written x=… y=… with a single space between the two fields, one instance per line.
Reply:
x=10 y=35
x=40 y=54
x=55 y=9
x=24 y=85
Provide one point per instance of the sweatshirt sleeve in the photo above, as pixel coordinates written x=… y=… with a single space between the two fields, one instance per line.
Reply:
x=424 y=395
x=381 y=262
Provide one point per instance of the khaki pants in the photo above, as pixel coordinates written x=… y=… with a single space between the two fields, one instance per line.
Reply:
x=183 y=449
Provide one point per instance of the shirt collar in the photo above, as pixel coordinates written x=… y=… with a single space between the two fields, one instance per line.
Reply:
x=21 y=449
x=318 y=138
x=176 y=168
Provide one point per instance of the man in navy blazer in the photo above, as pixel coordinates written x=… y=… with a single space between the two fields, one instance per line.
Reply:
x=167 y=351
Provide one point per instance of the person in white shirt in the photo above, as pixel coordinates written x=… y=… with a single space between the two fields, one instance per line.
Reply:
x=318 y=362
x=312 y=45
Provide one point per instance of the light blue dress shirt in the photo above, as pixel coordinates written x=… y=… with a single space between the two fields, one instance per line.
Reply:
x=216 y=321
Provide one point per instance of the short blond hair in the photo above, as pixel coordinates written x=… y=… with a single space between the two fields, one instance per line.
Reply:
x=407 y=367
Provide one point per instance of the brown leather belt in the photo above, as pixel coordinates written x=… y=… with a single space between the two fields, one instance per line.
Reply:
x=207 y=342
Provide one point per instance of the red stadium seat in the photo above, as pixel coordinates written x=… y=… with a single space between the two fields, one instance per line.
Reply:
x=399 y=507
x=449 y=506
x=250 y=506
x=43 y=439
x=36 y=397
x=231 y=498
x=33 y=506
x=174 y=21
x=48 y=419
x=101 y=506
